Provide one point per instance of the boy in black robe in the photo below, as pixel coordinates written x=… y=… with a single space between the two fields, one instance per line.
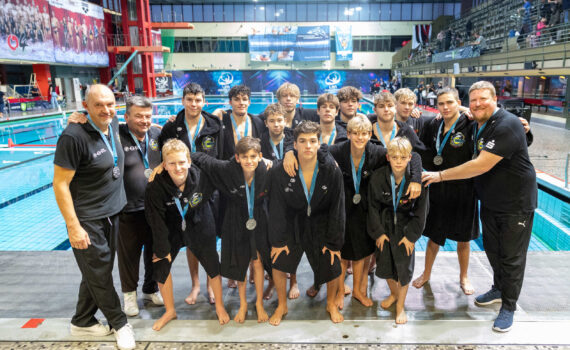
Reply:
x=327 y=109
x=395 y=222
x=244 y=228
x=307 y=215
x=277 y=138
x=177 y=209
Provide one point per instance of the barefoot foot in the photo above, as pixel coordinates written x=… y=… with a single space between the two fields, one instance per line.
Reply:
x=163 y=320
x=268 y=292
x=421 y=280
x=294 y=291
x=312 y=291
x=364 y=300
x=222 y=314
x=278 y=315
x=466 y=286
x=347 y=289
x=339 y=301
x=242 y=312
x=336 y=316
x=211 y=297
x=401 y=317
x=386 y=303
x=232 y=284
x=191 y=298
x=261 y=314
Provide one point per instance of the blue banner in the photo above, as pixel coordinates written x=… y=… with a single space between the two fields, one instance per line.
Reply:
x=456 y=54
x=343 y=39
x=290 y=43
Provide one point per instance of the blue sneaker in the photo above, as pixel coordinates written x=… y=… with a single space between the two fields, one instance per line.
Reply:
x=504 y=321
x=491 y=297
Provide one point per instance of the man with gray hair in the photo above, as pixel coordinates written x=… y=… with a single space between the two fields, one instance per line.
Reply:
x=88 y=186
x=505 y=183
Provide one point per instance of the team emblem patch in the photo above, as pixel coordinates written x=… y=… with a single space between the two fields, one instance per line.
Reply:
x=153 y=145
x=457 y=140
x=480 y=144
x=490 y=144
x=195 y=199
x=208 y=142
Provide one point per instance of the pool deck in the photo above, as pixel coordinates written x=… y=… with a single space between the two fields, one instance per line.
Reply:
x=438 y=314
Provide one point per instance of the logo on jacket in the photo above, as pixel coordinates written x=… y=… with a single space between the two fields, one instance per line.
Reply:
x=480 y=144
x=208 y=142
x=195 y=199
x=153 y=144
x=457 y=140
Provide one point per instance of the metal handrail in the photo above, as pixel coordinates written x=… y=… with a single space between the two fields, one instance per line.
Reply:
x=566 y=171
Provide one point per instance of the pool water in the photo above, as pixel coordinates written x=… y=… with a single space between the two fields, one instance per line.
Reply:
x=28 y=211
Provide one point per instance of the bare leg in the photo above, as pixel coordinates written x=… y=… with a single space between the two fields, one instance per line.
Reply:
x=168 y=297
x=251 y=273
x=463 y=250
x=280 y=279
x=193 y=267
x=431 y=253
x=232 y=283
x=242 y=312
x=211 y=294
x=216 y=285
x=360 y=282
x=268 y=293
x=372 y=266
x=258 y=274
x=312 y=291
x=365 y=267
x=293 y=287
x=393 y=297
x=401 y=317
x=339 y=299
x=332 y=291
x=349 y=269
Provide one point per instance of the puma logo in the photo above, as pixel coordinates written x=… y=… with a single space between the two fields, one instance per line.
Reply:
x=523 y=224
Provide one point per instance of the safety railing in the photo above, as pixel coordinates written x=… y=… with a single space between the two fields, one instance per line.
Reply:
x=566 y=185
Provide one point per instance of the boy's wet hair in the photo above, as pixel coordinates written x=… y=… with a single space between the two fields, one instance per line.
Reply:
x=448 y=90
x=405 y=94
x=349 y=92
x=384 y=97
x=273 y=109
x=328 y=98
x=239 y=90
x=248 y=143
x=193 y=89
x=288 y=88
x=307 y=127
x=359 y=123
x=174 y=146
x=399 y=145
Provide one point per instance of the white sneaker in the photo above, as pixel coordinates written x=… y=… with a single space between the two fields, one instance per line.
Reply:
x=97 y=330
x=155 y=297
x=125 y=337
x=131 y=306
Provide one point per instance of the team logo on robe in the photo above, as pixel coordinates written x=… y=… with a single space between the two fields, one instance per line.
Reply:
x=179 y=128
x=292 y=180
x=195 y=199
x=490 y=144
x=324 y=188
x=480 y=144
x=457 y=140
x=153 y=145
x=208 y=142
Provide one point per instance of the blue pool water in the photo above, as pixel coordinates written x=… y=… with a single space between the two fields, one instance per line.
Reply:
x=30 y=219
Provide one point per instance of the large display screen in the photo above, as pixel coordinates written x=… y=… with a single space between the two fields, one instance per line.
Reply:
x=309 y=81
x=54 y=31
x=289 y=43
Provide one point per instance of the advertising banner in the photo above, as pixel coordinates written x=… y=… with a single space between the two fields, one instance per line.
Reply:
x=157 y=56
x=289 y=43
x=79 y=33
x=343 y=40
x=455 y=54
x=25 y=30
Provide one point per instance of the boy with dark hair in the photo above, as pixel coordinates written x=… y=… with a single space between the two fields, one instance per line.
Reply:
x=177 y=209
x=244 y=182
x=327 y=109
x=349 y=101
x=395 y=222
x=307 y=212
x=277 y=138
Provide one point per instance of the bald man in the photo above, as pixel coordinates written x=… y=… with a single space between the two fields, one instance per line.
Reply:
x=88 y=186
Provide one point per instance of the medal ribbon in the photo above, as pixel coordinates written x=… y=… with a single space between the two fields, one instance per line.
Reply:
x=110 y=147
x=439 y=146
x=396 y=201
x=236 y=127
x=193 y=138
x=381 y=137
x=179 y=206
x=144 y=155
x=279 y=154
x=357 y=176
x=331 y=139
x=308 y=194
x=250 y=195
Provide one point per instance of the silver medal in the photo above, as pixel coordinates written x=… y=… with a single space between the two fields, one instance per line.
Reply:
x=356 y=198
x=116 y=172
x=251 y=224
x=183 y=225
x=147 y=172
x=438 y=160
x=309 y=210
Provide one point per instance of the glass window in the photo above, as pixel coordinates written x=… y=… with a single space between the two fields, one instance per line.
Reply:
x=260 y=13
x=427 y=12
x=249 y=13
x=192 y=45
x=208 y=12
x=312 y=12
x=228 y=13
x=384 y=12
x=321 y=14
x=396 y=13
x=270 y=12
x=344 y=12
x=301 y=12
x=290 y=12
x=364 y=12
x=407 y=11
x=197 y=12
x=132 y=9
x=416 y=11
x=187 y=13
x=457 y=13
x=437 y=10
x=355 y=45
x=218 y=11
x=156 y=13
x=238 y=13
x=167 y=13
x=177 y=13
x=117 y=6
x=448 y=9
x=333 y=12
